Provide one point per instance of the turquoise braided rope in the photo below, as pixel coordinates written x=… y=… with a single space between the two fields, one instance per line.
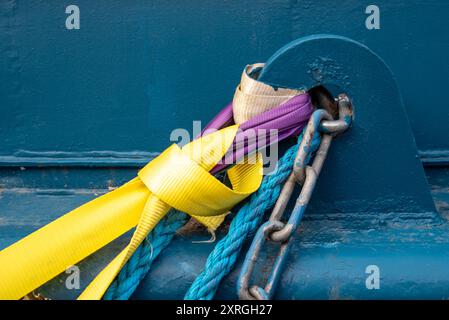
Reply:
x=222 y=259
x=139 y=264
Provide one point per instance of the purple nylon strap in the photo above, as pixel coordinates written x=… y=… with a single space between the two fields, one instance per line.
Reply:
x=288 y=119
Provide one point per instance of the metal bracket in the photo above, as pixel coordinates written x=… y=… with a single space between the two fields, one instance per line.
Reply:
x=375 y=167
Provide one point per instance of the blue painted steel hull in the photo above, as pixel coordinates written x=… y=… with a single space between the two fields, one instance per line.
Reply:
x=82 y=110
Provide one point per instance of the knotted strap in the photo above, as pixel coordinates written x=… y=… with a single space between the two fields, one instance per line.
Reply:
x=180 y=179
x=143 y=201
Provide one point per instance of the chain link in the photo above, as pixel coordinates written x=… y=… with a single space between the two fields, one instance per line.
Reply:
x=274 y=229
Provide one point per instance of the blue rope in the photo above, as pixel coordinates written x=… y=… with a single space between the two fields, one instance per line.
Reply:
x=222 y=259
x=139 y=264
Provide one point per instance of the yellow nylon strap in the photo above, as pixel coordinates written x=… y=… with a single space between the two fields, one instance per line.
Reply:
x=39 y=257
x=203 y=196
x=42 y=255
x=47 y=252
x=176 y=179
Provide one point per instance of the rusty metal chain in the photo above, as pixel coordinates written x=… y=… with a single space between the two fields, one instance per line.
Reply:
x=275 y=230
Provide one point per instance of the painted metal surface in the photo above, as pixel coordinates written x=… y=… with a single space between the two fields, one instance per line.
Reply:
x=362 y=175
x=128 y=75
x=82 y=109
